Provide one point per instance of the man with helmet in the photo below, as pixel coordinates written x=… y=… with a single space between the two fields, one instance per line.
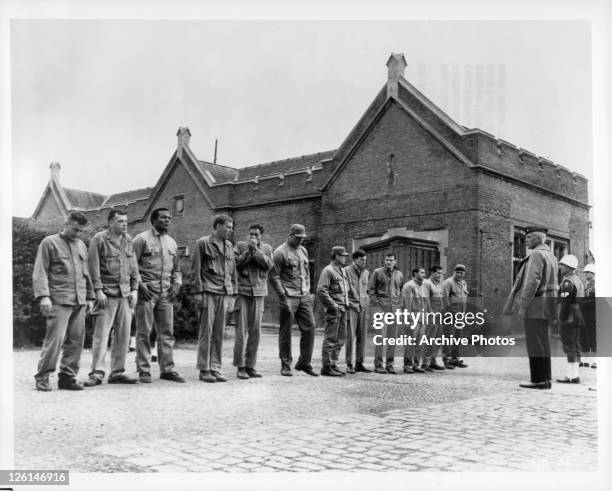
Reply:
x=571 y=290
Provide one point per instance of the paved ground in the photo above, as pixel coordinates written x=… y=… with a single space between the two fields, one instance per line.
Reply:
x=476 y=419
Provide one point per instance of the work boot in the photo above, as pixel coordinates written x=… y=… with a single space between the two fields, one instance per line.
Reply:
x=43 y=385
x=92 y=380
x=122 y=378
x=360 y=367
x=172 y=376
x=306 y=369
x=218 y=376
x=206 y=376
x=330 y=372
x=242 y=373
x=251 y=372
x=66 y=382
x=144 y=378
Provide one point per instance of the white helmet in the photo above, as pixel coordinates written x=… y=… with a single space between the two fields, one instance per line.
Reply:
x=570 y=261
x=589 y=268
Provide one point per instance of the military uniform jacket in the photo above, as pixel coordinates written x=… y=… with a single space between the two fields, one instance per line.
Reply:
x=61 y=272
x=571 y=292
x=253 y=266
x=333 y=286
x=213 y=267
x=358 y=287
x=536 y=285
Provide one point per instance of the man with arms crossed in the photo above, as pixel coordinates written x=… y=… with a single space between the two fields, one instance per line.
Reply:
x=532 y=298
x=158 y=263
x=253 y=263
x=213 y=282
x=63 y=288
x=385 y=290
x=114 y=273
x=358 y=299
x=290 y=279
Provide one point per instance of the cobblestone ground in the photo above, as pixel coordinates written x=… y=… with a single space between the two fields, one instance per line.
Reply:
x=475 y=419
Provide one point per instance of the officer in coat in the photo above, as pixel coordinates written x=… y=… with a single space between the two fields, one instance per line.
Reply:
x=532 y=298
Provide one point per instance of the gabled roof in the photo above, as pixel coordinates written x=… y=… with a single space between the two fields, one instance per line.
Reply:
x=127 y=197
x=284 y=166
x=83 y=199
x=220 y=173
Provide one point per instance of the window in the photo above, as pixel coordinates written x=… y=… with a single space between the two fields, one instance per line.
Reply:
x=179 y=205
x=558 y=245
x=183 y=251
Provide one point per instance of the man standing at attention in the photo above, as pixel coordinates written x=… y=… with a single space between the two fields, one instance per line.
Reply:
x=213 y=282
x=358 y=299
x=571 y=322
x=333 y=293
x=415 y=297
x=455 y=295
x=253 y=263
x=290 y=278
x=156 y=254
x=385 y=290
x=433 y=286
x=63 y=288
x=532 y=298
x=114 y=273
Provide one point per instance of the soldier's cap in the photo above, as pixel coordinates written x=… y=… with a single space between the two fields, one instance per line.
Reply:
x=339 y=250
x=570 y=261
x=298 y=230
x=536 y=228
x=460 y=267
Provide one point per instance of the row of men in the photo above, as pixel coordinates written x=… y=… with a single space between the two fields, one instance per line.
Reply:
x=546 y=290
x=119 y=274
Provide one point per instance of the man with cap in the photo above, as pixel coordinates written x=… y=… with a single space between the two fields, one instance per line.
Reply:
x=385 y=290
x=290 y=279
x=532 y=298
x=415 y=297
x=333 y=293
x=455 y=296
x=571 y=291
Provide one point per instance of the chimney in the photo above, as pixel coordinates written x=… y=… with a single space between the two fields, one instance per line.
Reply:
x=396 y=64
x=55 y=170
x=183 y=135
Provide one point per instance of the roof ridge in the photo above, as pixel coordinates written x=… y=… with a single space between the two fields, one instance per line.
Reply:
x=289 y=158
x=218 y=165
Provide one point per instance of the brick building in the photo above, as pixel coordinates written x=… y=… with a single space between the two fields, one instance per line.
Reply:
x=407 y=177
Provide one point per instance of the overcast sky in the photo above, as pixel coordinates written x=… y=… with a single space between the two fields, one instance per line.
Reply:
x=105 y=98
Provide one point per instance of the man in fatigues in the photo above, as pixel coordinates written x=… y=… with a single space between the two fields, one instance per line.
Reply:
x=290 y=279
x=333 y=293
x=356 y=330
x=385 y=290
x=455 y=295
x=532 y=298
x=213 y=282
x=415 y=298
x=433 y=286
x=253 y=263
x=114 y=273
x=571 y=322
x=160 y=274
x=63 y=288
